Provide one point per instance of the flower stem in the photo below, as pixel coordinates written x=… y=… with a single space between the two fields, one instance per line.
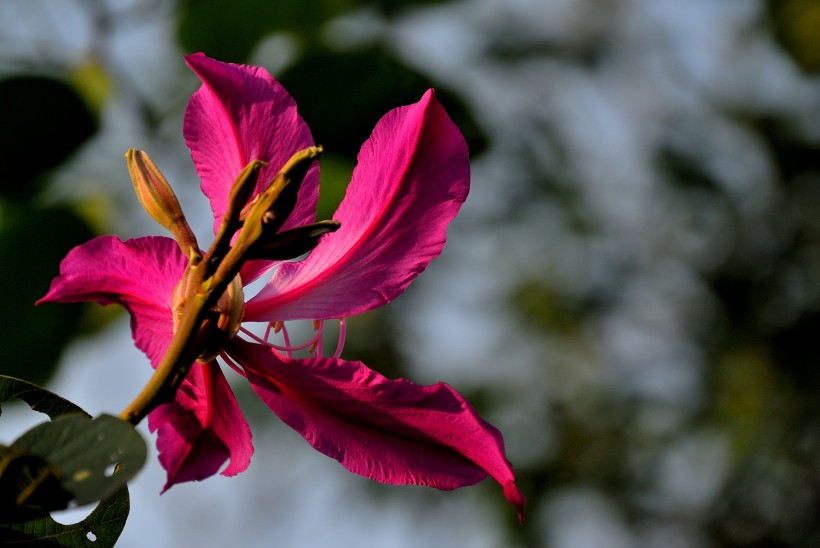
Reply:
x=210 y=275
x=187 y=343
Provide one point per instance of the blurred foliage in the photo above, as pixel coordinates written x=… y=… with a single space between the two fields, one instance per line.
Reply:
x=335 y=173
x=45 y=121
x=797 y=26
x=775 y=407
x=328 y=87
x=231 y=35
x=760 y=377
x=756 y=363
x=33 y=241
x=541 y=308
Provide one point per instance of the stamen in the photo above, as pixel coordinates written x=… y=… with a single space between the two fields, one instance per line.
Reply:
x=255 y=337
x=287 y=347
x=342 y=334
x=310 y=343
x=286 y=338
x=317 y=348
x=232 y=364
x=314 y=345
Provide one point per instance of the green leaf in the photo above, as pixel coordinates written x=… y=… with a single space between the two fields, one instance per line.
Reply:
x=86 y=452
x=100 y=529
x=104 y=525
x=56 y=230
x=39 y=399
x=29 y=486
x=44 y=121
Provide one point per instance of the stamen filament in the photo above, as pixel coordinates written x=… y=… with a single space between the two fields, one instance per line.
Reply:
x=288 y=350
x=232 y=364
x=342 y=335
x=254 y=337
x=319 y=327
x=284 y=348
x=314 y=345
x=275 y=348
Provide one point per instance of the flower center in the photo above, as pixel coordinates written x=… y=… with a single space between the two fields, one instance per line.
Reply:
x=225 y=316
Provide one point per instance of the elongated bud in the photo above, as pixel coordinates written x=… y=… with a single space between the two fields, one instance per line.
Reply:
x=266 y=213
x=277 y=201
x=241 y=190
x=238 y=197
x=158 y=199
x=290 y=243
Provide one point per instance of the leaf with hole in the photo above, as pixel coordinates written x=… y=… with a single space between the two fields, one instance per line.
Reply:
x=103 y=525
x=100 y=529
x=39 y=399
x=29 y=485
x=85 y=453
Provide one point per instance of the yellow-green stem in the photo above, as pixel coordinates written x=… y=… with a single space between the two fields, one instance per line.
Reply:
x=210 y=277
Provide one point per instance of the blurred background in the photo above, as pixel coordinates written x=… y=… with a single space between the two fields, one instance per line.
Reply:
x=631 y=292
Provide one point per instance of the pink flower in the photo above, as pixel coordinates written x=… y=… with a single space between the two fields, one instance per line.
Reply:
x=411 y=178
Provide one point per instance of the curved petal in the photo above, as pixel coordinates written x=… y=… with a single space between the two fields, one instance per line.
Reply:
x=412 y=177
x=201 y=429
x=253 y=270
x=392 y=431
x=139 y=274
x=241 y=113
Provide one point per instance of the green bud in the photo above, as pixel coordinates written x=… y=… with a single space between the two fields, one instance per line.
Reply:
x=277 y=201
x=290 y=243
x=158 y=199
x=242 y=189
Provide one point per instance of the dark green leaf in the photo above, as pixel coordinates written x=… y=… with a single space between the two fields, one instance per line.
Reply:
x=29 y=486
x=37 y=398
x=55 y=231
x=100 y=529
x=44 y=121
x=85 y=453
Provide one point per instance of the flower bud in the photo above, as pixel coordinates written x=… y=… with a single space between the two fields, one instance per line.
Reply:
x=278 y=200
x=281 y=246
x=158 y=199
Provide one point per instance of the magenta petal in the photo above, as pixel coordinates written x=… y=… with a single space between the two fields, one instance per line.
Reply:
x=252 y=270
x=392 y=431
x=139 y=274
x=201 y=429
x=412 y=177
x=241 y=113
